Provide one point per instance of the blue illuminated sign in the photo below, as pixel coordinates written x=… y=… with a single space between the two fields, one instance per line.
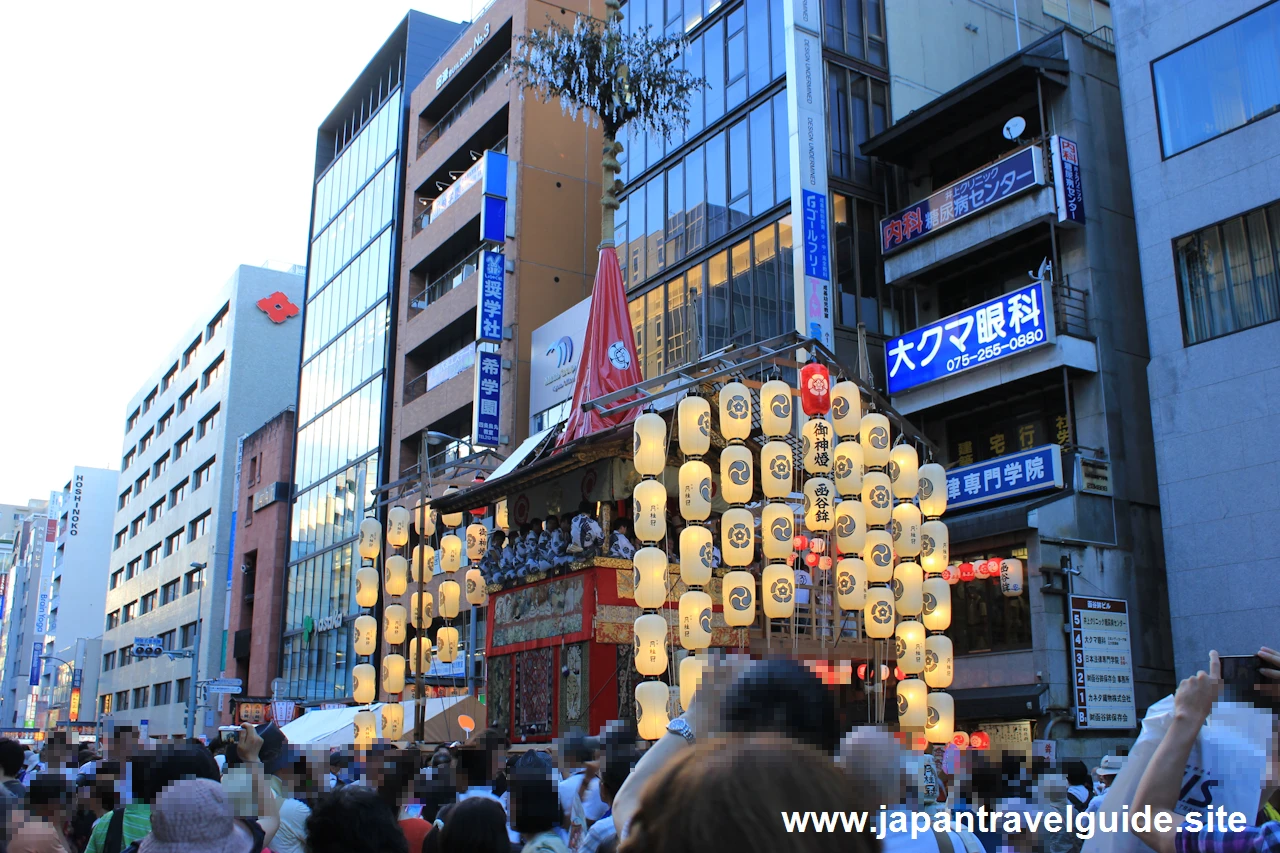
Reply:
x=487 y=428
x=817 y=262
x=35 y=663
x=985 y=333
x=493 y=209
x=1025 y=472
x=490 y=296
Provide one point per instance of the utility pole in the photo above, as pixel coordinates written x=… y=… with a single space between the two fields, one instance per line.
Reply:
x=195 y=657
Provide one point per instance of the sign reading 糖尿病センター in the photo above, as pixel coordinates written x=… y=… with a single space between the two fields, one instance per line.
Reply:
x=1068 y=182
x=987 y=332
x=1034 y=470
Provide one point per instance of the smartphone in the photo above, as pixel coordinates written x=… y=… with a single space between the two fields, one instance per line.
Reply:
x=1241 y=675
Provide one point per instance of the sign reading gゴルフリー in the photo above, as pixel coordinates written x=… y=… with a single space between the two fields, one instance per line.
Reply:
x=1035 y=470
x=1102 y=663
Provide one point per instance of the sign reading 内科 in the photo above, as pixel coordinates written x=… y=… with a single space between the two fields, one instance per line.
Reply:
x=1034 y=470
x=1102 y=663
x=487 y=426
x=1068 y=182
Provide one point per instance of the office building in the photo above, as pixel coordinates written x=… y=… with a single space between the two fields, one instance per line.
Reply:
x=72 y=670
x=174 y=520
x=343 y=402
x=1200 y=87
x=33 y=545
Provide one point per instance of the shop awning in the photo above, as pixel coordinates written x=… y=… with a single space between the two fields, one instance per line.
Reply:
x=1014 y=701
x=995 y=521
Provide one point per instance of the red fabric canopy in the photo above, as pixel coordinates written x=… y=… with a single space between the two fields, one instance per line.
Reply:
x=609 y=361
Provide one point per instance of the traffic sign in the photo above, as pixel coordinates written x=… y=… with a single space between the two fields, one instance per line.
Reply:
x=147 y=647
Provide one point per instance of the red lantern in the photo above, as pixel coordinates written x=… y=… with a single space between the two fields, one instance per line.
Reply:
x=979 y=740
x=897 y=674
x=960 y=740
x=479 y=512
x=791 y=560
x=862 y=671
x=966 y=571
x=800 y=543
x=811 y=559
x=815 y=389
x=991 y=568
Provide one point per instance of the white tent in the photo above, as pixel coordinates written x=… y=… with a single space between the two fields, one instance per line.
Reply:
x=333 y=727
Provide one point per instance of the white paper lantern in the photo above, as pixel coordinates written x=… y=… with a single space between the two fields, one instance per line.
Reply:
x=650 y=515
x=933 y=490
x=935 y=546
x=501 y=515
x=693 y=418
x=477 y=541
x=908 y=590
x=366 y=586
x=452 y=520
x=650 y=432
x=425 y=518
x=904 y=471
x=936 y=612
x=735 y=411
x=775 y=408
x=909 y=644
x=476 y=592
x=392 y=720
x=652 y=719
x=364 y=683
x=651 y=644
x=778 y=591
x=1011 y=578
x=427 y=610
x=913 y=703
x=850 y=527
x=941 y=722
x=364 y=728
x=874 y=433
x=777 y=530
x=398 y=526
x=846 y=408
x=695 y=621
x=878 y=613
x=877 y=498
x=395 y=621
x=878 y=554
x=450 y=598
x=819 y=504
x=739 y=592
x=737 y=537
x=364 y=634
x=395 y=573
x=370 y=538
x=851 y=584
x=650 y=570
x=697 y=555
x=695 y=490
x=904 y=526
x=423 y=556
x=736 y=474
x=776 y=469
x=419 y=656
x=692 y=669
x=817 y=446
x=447 y=644
x=450 y=553
x=939 y=660
x=393 y=668
x=846 y=470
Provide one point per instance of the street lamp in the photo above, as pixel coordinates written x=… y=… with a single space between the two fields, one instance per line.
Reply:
x=195 y=657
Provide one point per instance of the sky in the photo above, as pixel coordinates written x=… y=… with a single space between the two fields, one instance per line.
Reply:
x=149 y=149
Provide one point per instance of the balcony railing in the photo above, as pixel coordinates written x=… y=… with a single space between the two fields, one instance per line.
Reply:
x=484 y=84
x=1071 y=311
x=433 y=208
x=442 y=284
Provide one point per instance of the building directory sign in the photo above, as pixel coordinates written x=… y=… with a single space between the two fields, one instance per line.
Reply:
x=1036 y=470
x=493 y=274
x=1005 y=178
x=1102 y=663
x=487 y=428
x=986 y=333
x=1068 y=183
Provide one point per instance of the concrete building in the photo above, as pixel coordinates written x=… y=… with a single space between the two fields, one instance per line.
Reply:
x=1200 y=86
x=73 y=670
x=175 y=521
x=35 y=537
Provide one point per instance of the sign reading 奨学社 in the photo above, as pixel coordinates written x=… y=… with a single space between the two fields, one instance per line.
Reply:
x=1102 y=663
x=490 y=296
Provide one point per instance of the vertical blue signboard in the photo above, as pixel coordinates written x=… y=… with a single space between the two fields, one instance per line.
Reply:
x=486 y=428
x=1027 y=471
x=490 y=297
x=1068 y=183
x=493 y=211
x=35 y=663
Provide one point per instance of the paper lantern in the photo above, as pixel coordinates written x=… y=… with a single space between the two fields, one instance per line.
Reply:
x=776 y=469
x=452 y=520
x=777 y=527
x=739 y=592
x=735 y=411
x=846 y=408
x=877 y=551
x=904 y=471
x=650 y=511
x=395 y=574
x=960 y=740
x=965 y=572
x=778 y=591
x=913 y=703
x=476 y=592
x=393 y=668
x=423 y=556
x=941 y=722
x=935 y=546
x=933 y=490
x=419 y=656
x=697 y=555
x=939 y=660
x=936 y=610
x=370 y=538
x=650 y=578
x=819 y=504
x=364 y=634
x=851 y=584
x=427 y=609
x=817 y=449
x=651 y=700
x=878 y=613
x=395 y=621
x=775 y=408
x=425 y=518
x=815 y=389
x=874 y=432
x=501 y=515
x=366 y=586
x=1011 y=578
x=692 y=669
x=651 y=644
x=364 y=683
x=392 y=720
x=846 y=468
x=979 y=740
x=450 y=597
x=695 y=620
x=398 y=526
x=364 y=728
x=736 y=471
x=908 y=640
x=850 y=527
x=450 y=553
x=908 y=590
x=695 y=490
x=904 y=525
x=877 y=498
x=477 y=541
x=650 y=451
x=737 y=537
x=693 y=421
x=447 y=644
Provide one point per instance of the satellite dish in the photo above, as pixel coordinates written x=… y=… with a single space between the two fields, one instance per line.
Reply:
x=1013 y=127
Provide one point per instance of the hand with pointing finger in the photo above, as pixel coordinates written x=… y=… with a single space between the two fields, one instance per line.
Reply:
x=1196 y=694
x=1270 y=672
